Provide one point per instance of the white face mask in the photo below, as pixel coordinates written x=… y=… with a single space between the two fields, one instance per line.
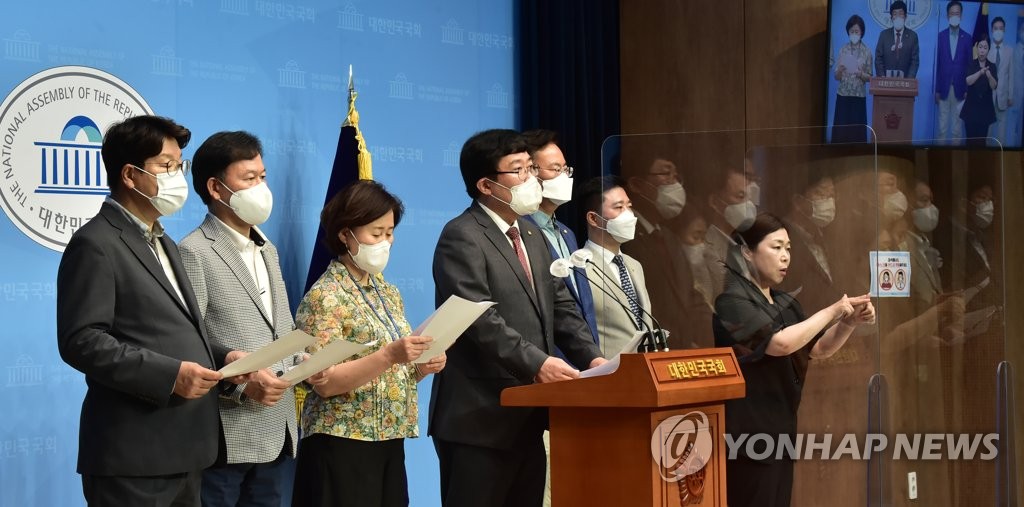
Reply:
x=954 y=21
x=926 y=218
x=997 y=35
x=526 y=196
x=898 y=23
x=895 y=205
x=740 y=216
x=171 y=193
x=621 y=228
x=371 y=258
x=854 y=38
x=984 y=213
x=671 y=199
x=558 y=190
x=823 y=211
x=754 y=193
x=695 y=253
x=252 y=204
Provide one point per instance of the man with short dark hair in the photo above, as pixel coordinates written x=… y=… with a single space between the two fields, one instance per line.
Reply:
x=236 y=275
x=489 y=454
x=897 y=49
x=608 y=213
x=953 y=56
x=729 y=210
x=556 y=177
x=1002 y=54
x=128 y=320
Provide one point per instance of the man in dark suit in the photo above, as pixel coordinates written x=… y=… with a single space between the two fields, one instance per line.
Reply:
x=557 y=180
x=954 y=55
x=127 y=318
x=489 y=454
x=897 y=48
x=812 y=210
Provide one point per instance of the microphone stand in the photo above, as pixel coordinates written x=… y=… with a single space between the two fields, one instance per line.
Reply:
x=654 y=339
x=658 y=333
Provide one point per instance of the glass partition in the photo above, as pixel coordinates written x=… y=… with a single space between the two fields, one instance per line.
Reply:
x=920 y=230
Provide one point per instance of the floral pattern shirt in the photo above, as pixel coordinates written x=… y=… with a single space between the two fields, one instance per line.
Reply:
x=851 y=85
x=336 y=309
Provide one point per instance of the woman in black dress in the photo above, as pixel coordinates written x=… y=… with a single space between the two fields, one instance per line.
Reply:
x=978 y=111
x=773 y=341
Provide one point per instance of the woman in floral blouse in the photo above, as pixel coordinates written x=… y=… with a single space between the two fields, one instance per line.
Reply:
x=853 y=71
x=355 y=424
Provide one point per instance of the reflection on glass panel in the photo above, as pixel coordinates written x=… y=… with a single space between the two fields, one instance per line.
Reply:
x=924 y=363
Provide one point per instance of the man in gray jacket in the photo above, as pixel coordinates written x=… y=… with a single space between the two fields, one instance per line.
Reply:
x=236 y=276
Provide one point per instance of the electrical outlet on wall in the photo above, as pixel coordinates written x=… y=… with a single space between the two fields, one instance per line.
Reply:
x=912 y=485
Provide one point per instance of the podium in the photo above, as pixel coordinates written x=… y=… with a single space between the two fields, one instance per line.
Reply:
x=651 y=433
x=892 y=112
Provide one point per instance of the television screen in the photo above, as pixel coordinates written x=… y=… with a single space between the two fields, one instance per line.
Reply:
x=926 y=72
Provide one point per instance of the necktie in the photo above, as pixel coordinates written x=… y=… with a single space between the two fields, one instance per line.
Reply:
x=997 y=57
x=899 y=43
x=517 y=245
x=627 y=287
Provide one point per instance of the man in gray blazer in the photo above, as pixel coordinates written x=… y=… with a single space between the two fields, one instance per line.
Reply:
x=897 y=48
x=618 y=279
x=237 y=279
x=1001 y=53
x=128 y=320
x=489 y=454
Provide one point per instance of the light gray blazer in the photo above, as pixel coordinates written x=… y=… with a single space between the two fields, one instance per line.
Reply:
x=235 y=317
x=614 y=326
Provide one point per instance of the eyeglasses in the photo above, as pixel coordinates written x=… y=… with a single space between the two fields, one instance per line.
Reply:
x=524 y=172
x=173 y=166
x=563 y=169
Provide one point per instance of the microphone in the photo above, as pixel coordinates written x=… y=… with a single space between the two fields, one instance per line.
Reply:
x=580 y=258
x=562 y=268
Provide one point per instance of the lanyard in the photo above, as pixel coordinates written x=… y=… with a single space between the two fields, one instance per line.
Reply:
x=393 y=330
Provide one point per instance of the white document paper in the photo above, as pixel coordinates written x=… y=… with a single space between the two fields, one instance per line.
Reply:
x=334 y=353
x=849 y=61
x=273 y=352
x=976 y=322
x=613 y=363
x=447 y=323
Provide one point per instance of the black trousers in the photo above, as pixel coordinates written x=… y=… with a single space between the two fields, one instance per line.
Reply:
x=849 y=119
x=473 y=476
x=178 y=490
x=759 y=483
x=339 y=472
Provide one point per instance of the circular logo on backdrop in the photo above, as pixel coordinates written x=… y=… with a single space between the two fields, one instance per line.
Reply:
x=52 y=179
x=917 y=12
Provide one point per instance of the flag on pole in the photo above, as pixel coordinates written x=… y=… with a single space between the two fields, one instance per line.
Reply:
x=980 y=28
x=351 y=162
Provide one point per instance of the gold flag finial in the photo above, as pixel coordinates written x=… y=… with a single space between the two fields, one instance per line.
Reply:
x=352 y=120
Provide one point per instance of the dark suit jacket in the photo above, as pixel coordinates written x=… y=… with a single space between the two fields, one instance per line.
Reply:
x=807 y=280
x=120 y=323
x=951 y=68
x=507 y=345
x=906 y=58
x=584 y=296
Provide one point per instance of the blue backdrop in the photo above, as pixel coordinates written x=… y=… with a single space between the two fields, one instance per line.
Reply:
x=429 y=74
x=927 y=18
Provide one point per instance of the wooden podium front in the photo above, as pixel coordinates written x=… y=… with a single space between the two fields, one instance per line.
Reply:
x=892 y=112
x=604 y=430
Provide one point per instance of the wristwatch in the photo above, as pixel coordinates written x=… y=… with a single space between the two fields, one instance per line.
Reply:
x=235 y=393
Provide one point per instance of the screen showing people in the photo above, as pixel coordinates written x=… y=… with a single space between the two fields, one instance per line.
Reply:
x=926 y=72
